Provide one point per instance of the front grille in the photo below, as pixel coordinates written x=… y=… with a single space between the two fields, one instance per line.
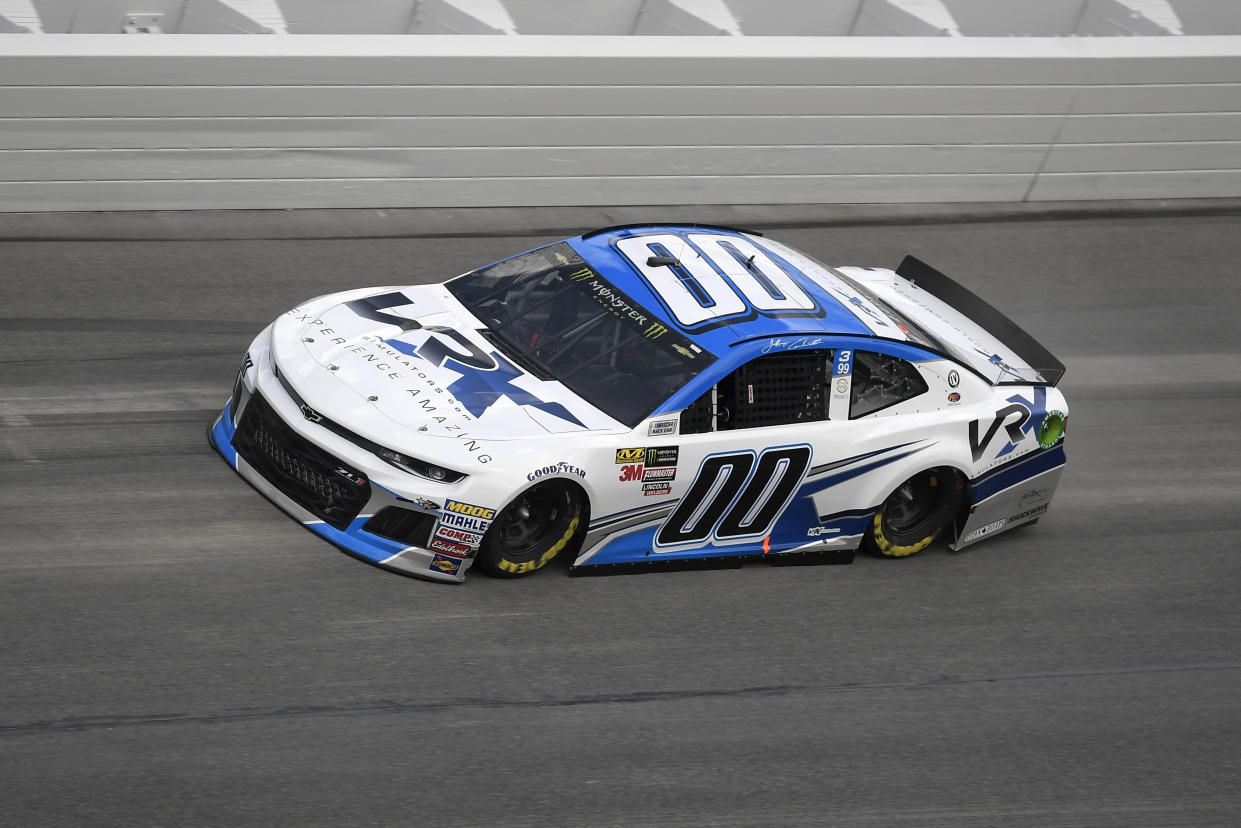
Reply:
x=314 y=479
x=404 y=525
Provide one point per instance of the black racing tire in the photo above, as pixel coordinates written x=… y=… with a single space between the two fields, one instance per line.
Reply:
x=540 y=523
x=915 y=513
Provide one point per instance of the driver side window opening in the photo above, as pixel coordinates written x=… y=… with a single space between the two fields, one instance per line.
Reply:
x=881 y=381
x=776 y=389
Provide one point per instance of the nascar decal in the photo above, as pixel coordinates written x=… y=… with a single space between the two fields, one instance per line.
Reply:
x=686 y=271
x=735 y=496
x=661 y=428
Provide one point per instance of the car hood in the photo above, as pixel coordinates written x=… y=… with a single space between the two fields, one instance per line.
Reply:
x=412 y=359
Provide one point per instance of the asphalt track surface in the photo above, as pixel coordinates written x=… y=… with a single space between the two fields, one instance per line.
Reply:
x=176 y=651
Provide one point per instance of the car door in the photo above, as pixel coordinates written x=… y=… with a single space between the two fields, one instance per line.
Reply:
x=746 y=447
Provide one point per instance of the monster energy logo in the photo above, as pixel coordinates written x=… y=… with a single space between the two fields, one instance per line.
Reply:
x=655 y=331
x=581 y=275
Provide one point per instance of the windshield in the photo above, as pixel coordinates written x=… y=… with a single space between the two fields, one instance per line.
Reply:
x=564 y=321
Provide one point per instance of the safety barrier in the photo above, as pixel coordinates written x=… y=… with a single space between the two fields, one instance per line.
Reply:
x=116 y=122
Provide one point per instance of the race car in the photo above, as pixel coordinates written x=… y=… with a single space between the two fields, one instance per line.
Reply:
x=646 y=395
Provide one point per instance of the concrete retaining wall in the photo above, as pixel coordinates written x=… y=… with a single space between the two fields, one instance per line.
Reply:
x=114 y=122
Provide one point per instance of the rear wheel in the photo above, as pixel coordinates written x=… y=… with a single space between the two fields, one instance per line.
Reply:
x=915 y=514
x=534 y=528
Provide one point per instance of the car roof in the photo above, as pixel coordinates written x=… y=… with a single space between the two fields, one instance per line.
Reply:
x=838 y=306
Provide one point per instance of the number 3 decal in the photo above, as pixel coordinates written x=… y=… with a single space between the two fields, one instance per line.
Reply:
x=688 y=274
x=735 y=496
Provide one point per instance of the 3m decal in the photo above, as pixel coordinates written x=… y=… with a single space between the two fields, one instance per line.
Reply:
x=446 y=564
x=708 y=279
x=630 y=455
x=736 y=496
x=632 y=471
x=662 y=455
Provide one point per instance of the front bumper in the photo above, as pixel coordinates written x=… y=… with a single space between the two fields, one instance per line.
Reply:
x=327 y=489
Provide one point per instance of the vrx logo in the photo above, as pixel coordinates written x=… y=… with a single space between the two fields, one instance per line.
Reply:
x=1017 y=419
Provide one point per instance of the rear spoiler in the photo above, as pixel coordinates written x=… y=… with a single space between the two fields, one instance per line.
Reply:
x=984 y=315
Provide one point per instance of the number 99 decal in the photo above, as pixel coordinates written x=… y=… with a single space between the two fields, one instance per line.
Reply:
x=735 y=496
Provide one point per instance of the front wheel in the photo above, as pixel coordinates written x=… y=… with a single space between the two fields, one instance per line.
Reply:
x=915 y=514
x=534 y=528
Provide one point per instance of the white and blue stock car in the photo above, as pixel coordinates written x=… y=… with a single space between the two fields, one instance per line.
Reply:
x=649 y=394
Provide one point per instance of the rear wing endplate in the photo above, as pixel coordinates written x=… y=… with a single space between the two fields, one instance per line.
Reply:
x=984 y=315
